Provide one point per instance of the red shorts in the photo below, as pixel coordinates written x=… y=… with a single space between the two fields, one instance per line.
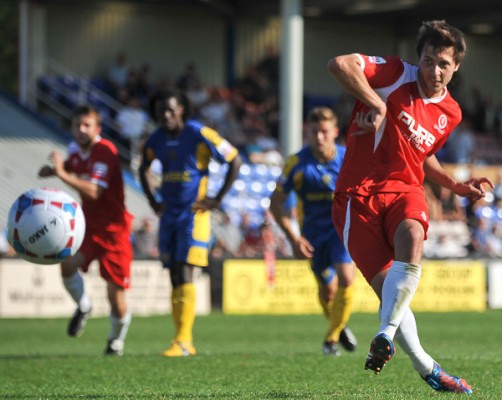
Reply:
x=367 y=225
x=114 y=252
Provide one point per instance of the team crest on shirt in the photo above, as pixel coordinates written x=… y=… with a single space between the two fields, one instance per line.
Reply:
x=442 y=122
x=326 y=179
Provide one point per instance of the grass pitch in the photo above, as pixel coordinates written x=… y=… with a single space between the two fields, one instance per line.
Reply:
x=241 y=357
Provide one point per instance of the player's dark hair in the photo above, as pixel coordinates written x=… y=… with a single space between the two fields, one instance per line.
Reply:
x=439 y=34
x=86 y=109
x=181 y=98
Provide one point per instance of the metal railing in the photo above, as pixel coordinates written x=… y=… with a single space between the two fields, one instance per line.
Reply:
x=60 y=90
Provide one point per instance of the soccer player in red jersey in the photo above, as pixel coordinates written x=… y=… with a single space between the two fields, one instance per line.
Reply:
x=92 y=168
x=402 y=116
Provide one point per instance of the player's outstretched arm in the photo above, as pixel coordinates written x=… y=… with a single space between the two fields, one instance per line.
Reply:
x=147 y=189
x=232 y=174
x=472 y=189
x=301 y=246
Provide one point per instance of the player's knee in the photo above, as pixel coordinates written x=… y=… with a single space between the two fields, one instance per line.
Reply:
x=181 y=274
x=409 y=233
x=69 y=266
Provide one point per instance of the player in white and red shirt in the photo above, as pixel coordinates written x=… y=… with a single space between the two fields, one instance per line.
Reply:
x=93 y=170
x=402 y=116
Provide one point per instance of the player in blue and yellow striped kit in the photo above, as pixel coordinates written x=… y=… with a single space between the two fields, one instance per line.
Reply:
x=311 y=174
x=184 y=148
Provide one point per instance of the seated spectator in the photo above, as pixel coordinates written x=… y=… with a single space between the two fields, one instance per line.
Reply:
x=189 y=78
x=252 y=239
x=218 y=112
x=227 y=237
x=133 y=126
x=199 y=95
x=252 y=86
x=118 y=72
x=461 y=144
x=145 y=238
x=497 y=191
x=482 y=240
x=451 y=209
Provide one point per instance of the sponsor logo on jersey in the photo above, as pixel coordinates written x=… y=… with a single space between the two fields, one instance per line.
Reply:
x=99 y=170
x=177 y=176
x=417 y=134
x=376 y=60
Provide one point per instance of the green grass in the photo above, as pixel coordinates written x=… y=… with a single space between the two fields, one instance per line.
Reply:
x=241 y=357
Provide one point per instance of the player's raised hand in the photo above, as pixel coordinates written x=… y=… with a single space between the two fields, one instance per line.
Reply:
x=206 y=204
x=45 y=171
x=57 y=162
x=473 y=188
x=368 y=122
x=302 y=248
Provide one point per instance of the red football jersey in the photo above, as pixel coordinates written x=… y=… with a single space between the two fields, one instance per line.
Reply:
x=391 y=160
x=101 y=165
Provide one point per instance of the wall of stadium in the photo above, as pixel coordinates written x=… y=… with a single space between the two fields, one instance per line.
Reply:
x=167 y=38
x=249 y=287
x=35 y=291
x=86 y=35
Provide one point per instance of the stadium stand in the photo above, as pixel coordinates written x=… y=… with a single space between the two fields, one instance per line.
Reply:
x=25 y=142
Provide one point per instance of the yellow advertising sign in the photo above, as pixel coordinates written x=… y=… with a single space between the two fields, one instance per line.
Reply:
x=249 y=287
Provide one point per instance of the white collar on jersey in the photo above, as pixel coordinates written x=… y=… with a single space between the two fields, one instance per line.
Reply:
x=428 y=100
x=75 y=148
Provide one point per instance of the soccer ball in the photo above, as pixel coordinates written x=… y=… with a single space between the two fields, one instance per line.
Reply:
x=45 y=226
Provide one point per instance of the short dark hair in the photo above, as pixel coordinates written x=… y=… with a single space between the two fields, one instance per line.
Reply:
x=439 y=34
x=86 y=109
x=180 y=96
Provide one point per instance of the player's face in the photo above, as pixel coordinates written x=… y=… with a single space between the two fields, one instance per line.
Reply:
x=436 y=68
x=85 y=129
x=170 y=114
x=322 y=137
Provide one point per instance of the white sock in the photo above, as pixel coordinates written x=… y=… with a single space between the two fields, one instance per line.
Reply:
x=119 y=327
x=398 y=290
x=408 y=340
x=75 y=287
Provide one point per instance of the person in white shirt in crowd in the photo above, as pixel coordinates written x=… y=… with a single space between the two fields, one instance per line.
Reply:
x=133 y=126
